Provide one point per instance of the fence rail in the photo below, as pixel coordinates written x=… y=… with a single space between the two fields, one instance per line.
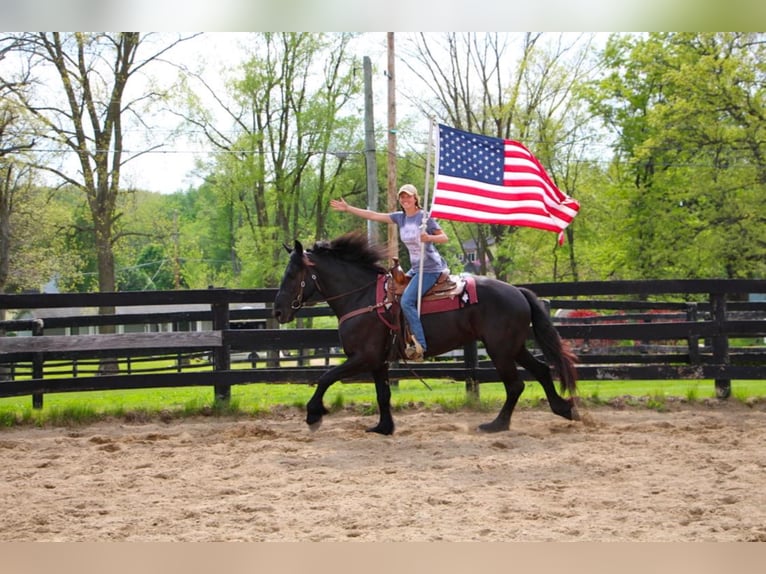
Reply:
x=697 y=329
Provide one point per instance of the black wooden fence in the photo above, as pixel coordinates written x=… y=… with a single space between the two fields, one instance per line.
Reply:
x=621 y=330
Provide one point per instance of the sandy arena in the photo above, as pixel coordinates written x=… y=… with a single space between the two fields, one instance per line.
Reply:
x=695 y=473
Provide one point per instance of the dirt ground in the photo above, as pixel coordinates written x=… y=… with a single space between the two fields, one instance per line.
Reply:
x=694 y=473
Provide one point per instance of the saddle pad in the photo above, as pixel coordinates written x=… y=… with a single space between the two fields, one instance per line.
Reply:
x=466 y=297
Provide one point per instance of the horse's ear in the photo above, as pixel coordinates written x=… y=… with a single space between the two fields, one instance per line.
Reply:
x=298 y=247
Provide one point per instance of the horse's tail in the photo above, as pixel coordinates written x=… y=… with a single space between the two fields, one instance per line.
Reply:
x=555 y=350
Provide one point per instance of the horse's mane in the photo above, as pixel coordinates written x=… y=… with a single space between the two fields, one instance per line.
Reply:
x=353 y=247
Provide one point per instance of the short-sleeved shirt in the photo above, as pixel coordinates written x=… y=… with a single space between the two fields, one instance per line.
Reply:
x=409 y=233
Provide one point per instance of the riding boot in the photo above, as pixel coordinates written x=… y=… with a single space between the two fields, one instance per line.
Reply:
x=414 y=352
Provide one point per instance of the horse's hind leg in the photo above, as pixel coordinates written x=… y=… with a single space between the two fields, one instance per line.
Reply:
x=542 y=372
x=514 y=386
x=383 y=392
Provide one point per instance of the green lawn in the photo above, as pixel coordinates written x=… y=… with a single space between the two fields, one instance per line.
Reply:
x=68 y=408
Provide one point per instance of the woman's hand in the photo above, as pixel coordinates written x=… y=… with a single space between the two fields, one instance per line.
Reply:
x=339 y=204
x=436 y=237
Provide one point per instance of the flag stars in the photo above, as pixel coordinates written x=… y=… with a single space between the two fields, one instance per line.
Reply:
x=477 y=158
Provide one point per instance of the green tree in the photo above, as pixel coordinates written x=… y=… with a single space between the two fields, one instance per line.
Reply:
x=688 y=110
x=32 y=250
x=278 y=164
x=147 y=254
x=207 y=237
x=82 y=102
x=152 y=271
x=16 y=139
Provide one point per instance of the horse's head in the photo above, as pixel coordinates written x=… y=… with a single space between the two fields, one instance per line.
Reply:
x=298 y=286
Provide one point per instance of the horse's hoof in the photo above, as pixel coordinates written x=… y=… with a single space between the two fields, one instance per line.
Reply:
x=386 y=431
x=314 y=417
x=567 y=409
x=575 y=414
x=494 y=427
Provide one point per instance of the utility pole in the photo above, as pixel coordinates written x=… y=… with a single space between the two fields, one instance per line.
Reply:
x=393 y=239
x=176 y=254
x=369 y=152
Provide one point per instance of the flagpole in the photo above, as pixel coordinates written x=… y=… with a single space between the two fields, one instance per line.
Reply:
x=426 y=211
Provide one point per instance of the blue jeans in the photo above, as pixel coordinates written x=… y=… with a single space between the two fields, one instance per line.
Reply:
x=409 y=302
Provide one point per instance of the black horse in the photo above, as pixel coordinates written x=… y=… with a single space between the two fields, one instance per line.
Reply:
x=345 y=272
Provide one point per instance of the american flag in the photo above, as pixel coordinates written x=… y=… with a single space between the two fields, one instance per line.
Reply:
x=483 y=179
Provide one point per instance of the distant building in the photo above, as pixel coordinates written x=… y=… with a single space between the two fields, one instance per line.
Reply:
x=471 y=258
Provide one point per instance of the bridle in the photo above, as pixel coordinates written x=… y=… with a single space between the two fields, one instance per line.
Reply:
x=298 y=302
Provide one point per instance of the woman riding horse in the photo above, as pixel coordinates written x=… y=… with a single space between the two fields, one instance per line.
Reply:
x=346 y=272
x=416 y=231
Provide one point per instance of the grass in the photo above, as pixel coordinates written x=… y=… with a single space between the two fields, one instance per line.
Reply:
x=257 y=399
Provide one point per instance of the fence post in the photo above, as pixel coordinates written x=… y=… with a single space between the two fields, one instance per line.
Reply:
x=222 y=354
x=272 y=356
x=304 y=355
x=720 y=342
x=37 y=365
x=694 y=340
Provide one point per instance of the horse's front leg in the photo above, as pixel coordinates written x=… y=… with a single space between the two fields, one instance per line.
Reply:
x=385 y=425
x=315 y=408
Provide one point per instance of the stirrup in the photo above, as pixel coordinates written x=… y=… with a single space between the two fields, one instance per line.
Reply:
x=414 y=352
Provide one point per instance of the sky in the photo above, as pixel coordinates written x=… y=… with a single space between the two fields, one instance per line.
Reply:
x=173 y=168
